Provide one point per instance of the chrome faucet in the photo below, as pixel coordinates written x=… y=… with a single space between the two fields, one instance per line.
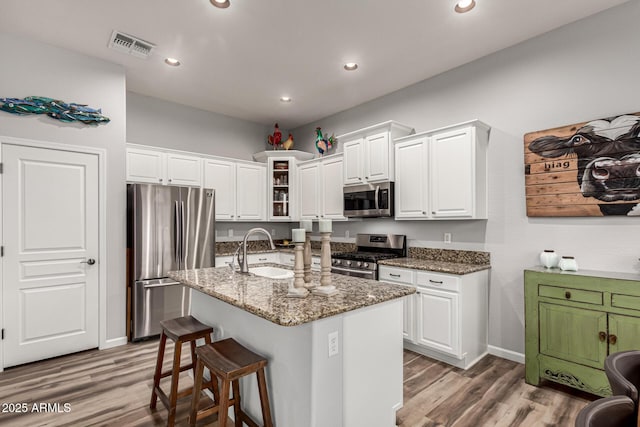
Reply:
x=244 y=265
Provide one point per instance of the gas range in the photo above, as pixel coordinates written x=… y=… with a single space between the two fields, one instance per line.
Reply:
x=371 y=249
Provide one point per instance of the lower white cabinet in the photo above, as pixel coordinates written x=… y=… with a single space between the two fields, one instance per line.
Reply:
x=273 y=257
x=287 y=258
x=447 y=317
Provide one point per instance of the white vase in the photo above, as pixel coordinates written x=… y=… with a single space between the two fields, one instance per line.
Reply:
x=568 y=263
x=549 y=258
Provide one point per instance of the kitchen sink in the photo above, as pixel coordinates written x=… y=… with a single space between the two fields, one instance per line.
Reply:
x=271 y=272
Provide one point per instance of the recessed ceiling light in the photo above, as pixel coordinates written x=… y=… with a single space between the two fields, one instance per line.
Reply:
x=350 y=66
x=172 y=61
x=465 y=6
x=222 y=4
x=285 y=99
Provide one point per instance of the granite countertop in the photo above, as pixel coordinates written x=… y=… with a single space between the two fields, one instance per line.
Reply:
x=267 y=298
x=442 y=261
x=436 y=266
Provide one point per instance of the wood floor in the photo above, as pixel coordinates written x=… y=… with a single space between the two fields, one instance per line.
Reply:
x=113 y=387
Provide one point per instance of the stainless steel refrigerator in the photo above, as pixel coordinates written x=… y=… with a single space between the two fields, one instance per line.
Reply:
x=169 y=228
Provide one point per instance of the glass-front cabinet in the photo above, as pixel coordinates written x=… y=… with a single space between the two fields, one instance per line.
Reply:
x=281 y=188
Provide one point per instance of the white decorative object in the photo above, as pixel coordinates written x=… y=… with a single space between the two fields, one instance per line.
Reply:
x=307 y=225
x=568 y=263
x=298 y=290
x=297 y=235
x=307 y=262
x=326 y=288
x=549 y=258
x=324 y=226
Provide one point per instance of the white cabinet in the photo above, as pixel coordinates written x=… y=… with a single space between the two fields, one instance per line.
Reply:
x=240 y=189
x=447 y=318
x=281 y=183
x=320 y=188
x=273 y=257
x=288 y=258
x=221 y=176
x=309 y=194
x=368 y=153
x=405 y=277
x=442 y=174
x=163 y=167
x=412 y=185
x=250 y=192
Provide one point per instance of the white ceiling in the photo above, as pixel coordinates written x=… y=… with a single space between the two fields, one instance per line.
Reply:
x=239 y=61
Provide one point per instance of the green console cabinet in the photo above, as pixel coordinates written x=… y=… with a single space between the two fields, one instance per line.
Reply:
x=573 y=320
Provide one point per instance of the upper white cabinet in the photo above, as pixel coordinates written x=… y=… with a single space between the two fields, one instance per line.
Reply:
x=368 y=153
x=163 y=167
x=442 y=174
x=239 y=189
x=320 y=192
x=221 y=175
x=281 y=181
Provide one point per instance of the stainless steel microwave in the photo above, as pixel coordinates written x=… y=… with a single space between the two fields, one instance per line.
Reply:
x=368 y=200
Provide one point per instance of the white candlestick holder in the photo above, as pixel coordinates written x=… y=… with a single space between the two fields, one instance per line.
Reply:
x=298 y=290
x=325 y=288
x=307 y=263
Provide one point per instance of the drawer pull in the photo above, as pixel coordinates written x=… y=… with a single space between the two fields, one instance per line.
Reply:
x=394 y=275
x=262 y=259
x=436 y=282
x=602 y=335
x=613 y=339
x=567 y=295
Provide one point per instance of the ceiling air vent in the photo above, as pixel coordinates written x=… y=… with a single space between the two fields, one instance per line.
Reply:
x=130 y=44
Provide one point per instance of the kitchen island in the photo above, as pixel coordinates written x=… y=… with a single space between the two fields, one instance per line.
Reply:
x=333 y=361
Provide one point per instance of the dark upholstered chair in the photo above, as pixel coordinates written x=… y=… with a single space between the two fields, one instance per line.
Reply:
x=614 y=411
x=623 y=373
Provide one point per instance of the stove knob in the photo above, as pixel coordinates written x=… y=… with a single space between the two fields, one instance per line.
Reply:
x=359 y=264
x=365 y=265
x=348 y=263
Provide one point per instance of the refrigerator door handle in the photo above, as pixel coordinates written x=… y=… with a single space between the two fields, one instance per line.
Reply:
x=177 y=237
x=183 y=238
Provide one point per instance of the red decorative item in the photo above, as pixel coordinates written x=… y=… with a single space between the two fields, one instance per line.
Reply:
x=274 y=140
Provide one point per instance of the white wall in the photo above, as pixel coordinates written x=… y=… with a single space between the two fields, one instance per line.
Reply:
x=151 y=121
x=159 y=123
x=583 y=71
x=32 y=68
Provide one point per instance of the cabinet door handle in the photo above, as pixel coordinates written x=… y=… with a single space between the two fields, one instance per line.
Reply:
x=262 y=259
x=160 y=179
x=602 y=335
x=394 y=275
x=169 y=179
x=613 y=339
x=567 y=295
x=437 y=282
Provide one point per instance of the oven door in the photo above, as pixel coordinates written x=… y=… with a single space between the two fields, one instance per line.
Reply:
x=363 y=274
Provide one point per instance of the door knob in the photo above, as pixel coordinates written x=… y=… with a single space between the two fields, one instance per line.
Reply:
x=90 y=261
x=602 y=335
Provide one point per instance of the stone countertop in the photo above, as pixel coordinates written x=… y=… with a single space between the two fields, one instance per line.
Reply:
x=268 y=299
x=433 y=265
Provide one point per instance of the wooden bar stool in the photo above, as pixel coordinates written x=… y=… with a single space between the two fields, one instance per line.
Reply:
x=180 y=330
x=229 y=361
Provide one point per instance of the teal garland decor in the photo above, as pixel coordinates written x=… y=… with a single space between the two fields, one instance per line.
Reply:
x=53 y=108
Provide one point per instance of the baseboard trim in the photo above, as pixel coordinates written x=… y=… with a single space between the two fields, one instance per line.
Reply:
x=113 y=342
x=506 y=354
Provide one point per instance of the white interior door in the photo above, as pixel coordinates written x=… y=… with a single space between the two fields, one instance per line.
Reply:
x=50 y=227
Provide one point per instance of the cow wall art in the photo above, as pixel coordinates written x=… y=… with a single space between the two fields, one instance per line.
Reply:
x=586 y=169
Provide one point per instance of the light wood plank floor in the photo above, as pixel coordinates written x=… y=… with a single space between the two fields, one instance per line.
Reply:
x=113 y=387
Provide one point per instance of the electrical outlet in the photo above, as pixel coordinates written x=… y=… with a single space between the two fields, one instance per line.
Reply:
x=346 y=234
x=447 y=237
x=273 y=232
x=230 y=232
x=333 y=343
